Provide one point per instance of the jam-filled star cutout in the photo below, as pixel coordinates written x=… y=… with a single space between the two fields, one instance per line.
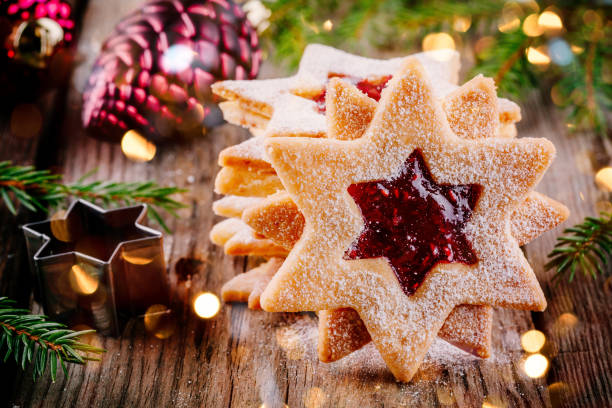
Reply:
x=413 y=222
x=317 y=174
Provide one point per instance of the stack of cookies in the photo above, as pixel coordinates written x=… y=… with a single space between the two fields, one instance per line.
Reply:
x=368 y=180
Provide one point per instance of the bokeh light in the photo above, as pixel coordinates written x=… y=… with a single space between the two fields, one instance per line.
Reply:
x=92 y=338
x=559 y=392
x=507 y=26
x=510 y=18
x=531 y=27
x=438 y=41
x=537 y=56
x=603 y=179
x=328 y=25
x=556 y=96
x=567 y=320
x=159 y=321
x=576 y=49
x=135 y=257
x=83 y=279
x=535 y=366
x=136 y=147
x=177 y=58
x=550 y=20
x=560 y=51
x=591 y=17
x=257 y=14
x=59 y=227
x=532 y=341
x=462 y=23
x=206 y=305
x=26 y=121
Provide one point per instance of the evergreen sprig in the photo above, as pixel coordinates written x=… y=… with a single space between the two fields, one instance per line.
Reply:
x=582 y=87
x=587 y=246
x=32 y=339
x=37 y=190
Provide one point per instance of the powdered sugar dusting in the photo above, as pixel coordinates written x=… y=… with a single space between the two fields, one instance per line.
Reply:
x=317 y=173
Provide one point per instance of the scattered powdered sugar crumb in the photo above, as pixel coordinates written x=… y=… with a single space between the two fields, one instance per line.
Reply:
x=298 y=340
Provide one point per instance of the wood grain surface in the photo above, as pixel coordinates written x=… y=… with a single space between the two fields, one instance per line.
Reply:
x=243 y=358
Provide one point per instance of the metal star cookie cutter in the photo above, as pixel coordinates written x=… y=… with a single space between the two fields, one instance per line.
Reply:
x=97 y=267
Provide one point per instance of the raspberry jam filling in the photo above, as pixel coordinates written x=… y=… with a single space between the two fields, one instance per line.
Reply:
x=369 y=87
x=414 y=222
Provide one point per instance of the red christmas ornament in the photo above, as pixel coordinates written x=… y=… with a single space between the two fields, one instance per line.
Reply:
x=34 y=36
x=155 y=70
x=32 y=30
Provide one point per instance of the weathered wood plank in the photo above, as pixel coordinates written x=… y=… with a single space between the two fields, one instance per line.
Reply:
x=22 y=148
x=578 y=321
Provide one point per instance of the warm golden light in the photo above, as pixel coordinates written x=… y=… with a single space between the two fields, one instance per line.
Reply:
x=59 y=226
x=462 y=23
x=556 y=96
x=438 y=41
x=206 y=305
x=559 y=392
x=567 y=320
x=488 y=405
x=257 y=14
x=136 y=147
x=508 y=25
x=328 y=25
x=533 y=341
x=576 y=49
x=550 y=20
x=135 y=259
x=535 y=365
x=603 y=179
x=537 y=56
x=531 y=26
x=82 y=281
x=92 y=338
x=158 y=321
x=592 y=17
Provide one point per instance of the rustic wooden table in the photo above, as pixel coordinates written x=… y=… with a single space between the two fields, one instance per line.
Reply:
x=243 y=358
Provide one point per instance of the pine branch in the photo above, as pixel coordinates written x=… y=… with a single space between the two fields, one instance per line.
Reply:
x=588 y=247
x=32 y=339
x=398 y=26
x=294 y=24
x=37 y=190
x=505 y=61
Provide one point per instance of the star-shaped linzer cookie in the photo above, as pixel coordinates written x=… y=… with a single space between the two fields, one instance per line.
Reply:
x=471 y=112
x=318 y=174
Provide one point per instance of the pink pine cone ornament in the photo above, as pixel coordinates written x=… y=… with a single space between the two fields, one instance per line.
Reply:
x=155 y=70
